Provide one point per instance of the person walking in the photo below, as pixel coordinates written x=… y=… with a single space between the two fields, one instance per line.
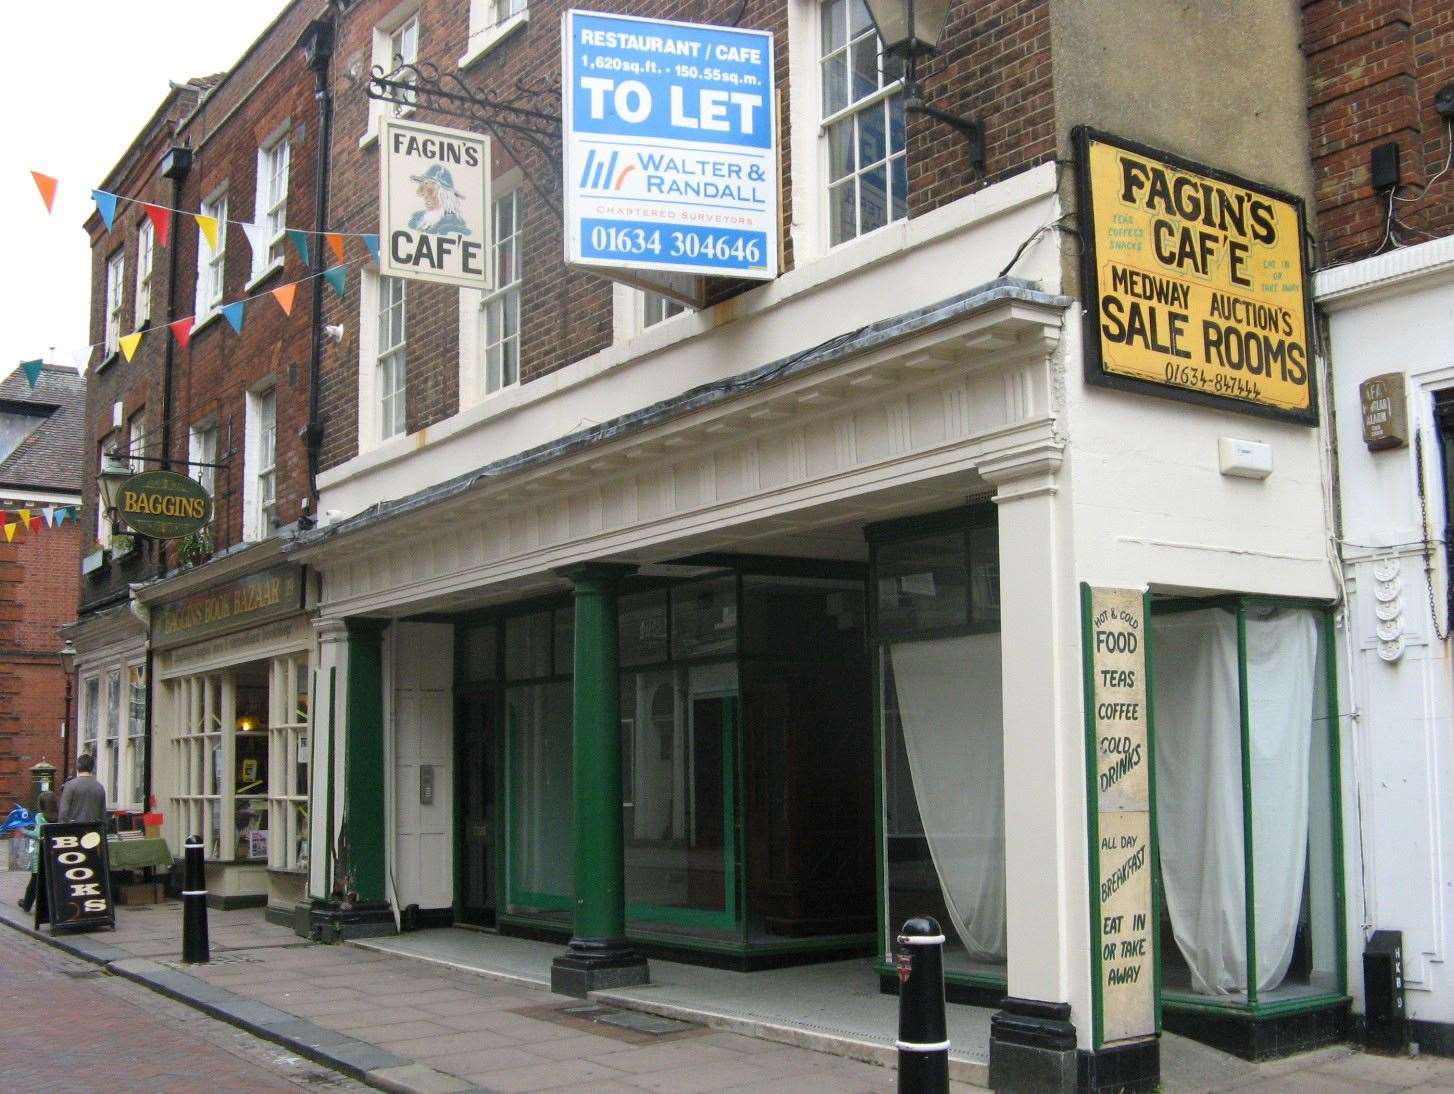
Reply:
x=47 y=806
x=83 y=798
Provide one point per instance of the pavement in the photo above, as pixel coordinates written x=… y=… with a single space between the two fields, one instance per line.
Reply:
x=395 y=1022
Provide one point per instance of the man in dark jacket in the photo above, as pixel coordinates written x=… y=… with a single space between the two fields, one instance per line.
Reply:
x=83 y=798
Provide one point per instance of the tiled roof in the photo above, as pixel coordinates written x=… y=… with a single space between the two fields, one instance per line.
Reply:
x=50 y=457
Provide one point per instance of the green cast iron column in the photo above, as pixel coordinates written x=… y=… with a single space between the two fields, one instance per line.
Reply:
x=598 y=955
x=363 y=794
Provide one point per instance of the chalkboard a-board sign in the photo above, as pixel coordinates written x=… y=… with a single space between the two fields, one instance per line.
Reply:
x=74 y=887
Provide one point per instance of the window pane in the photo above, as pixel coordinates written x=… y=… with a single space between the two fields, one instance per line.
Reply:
x=842 y=212
x=870 y=136
x=840 y=149
x=899 y=182
x=480 y=644
x=922 y=584
x=834 y=21
x=865 y=65
x=835 y=84
x=799 y=618
x=873 y=201
x=527 y=646
x=642 y=627
x=704 y=617
x=538 y=721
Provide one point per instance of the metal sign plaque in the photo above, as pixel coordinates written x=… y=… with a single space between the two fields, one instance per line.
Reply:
x=163 y=504
x=1194 y=282
x=1385 y=406
x=670 y=145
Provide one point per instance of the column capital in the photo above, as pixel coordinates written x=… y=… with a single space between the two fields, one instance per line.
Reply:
x=332 y=629
x=596 y=573
x=1025 y=470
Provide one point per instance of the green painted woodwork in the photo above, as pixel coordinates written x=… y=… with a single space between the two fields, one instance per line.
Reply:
x=600 y=864
x=1335 y=796
x=363 y=774
x=1151 y=792
x=1092 y=813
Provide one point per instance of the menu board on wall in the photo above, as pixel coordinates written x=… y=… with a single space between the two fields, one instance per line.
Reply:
x=1123 y=909
x=1194 y=282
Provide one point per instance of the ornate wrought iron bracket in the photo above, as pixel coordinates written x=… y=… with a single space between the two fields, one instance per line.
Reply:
x=526 y=120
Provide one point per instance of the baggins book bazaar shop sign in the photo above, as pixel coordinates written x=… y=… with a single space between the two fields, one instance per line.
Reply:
x=163 y=504
x=434 y=204
x=245 y=602
x=1119 y=761
x=1194 y=282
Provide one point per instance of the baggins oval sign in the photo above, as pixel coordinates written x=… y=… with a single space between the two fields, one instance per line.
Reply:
x=163 y=504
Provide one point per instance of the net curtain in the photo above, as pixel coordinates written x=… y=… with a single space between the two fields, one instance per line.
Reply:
x=1199 y=786
x=949 y=701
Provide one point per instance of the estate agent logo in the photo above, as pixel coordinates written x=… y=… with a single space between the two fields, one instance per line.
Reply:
x=434 y=199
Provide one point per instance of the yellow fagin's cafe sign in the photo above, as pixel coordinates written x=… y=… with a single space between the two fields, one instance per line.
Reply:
x=1194 y=282
x=245 y=602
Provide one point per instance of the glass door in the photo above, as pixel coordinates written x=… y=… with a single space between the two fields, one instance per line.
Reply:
x=477 y=826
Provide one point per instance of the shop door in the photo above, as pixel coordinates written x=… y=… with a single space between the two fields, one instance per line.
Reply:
x=477 y=822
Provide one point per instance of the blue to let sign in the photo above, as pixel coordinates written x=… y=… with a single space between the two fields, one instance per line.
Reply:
x=670 y=146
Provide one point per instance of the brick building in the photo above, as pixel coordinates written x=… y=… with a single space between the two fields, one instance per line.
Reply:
x=41 y=468
x=1381 y=125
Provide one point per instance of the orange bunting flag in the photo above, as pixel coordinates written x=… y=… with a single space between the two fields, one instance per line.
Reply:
x=47 y=187
x=181 y=331
x=161 y=221
x=129 y=342
x=284 y=294
x=208 y=226
x=335 y=243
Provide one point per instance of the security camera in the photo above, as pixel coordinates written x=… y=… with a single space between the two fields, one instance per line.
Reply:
x=333 y=332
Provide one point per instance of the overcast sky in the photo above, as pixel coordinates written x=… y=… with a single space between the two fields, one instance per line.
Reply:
x=88 y=77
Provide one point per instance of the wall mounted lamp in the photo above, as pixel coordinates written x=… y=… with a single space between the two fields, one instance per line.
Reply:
x=910 y=29
x=114 y=472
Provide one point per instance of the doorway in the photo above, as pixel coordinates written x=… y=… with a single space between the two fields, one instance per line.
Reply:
x=478 y=824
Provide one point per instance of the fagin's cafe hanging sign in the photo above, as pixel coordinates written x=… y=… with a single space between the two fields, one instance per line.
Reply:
x=434 y=201
x=1194 y=282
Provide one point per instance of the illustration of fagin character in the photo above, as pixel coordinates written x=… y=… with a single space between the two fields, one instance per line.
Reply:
x=441 y=212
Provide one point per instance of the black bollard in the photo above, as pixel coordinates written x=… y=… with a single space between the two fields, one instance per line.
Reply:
x=195 y=949
x=923 y=1037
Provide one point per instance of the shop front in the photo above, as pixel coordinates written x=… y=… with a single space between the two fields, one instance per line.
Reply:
x=231 y=718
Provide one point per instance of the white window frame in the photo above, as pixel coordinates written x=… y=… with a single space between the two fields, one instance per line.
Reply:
x=87 y=740
x=108 y=762
x=274 y=160
x=212 y=265
x=289 y=704
x=145 y=258
x=115 y=289
x=385 y=47
x=260 y=483
x=133 y=768
x=104 y=529
x=491 y=22
x=507 y=295
x=810 y=225
x=391 y=358
x=203 y=709
x=202 y=449
x=136 y=440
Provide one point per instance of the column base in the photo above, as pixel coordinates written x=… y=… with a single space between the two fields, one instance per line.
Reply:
x=588 y=966
x=330 y=922
x=1032 y=1048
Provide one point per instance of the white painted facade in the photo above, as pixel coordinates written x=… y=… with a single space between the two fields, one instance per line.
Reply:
x=1395 y=313
x=1090 y=485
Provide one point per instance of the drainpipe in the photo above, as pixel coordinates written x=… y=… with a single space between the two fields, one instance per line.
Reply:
x=175 y=165
x=317 y=46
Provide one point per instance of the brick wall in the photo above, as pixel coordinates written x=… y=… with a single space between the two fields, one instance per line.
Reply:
x=39 y=576
x=1374 y=67
x=994 y=65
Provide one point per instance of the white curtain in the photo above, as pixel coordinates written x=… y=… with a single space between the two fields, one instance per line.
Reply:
x=1199 y=786
x=948 y=693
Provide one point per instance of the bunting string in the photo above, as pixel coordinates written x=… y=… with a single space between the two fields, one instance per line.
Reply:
x=34 y=520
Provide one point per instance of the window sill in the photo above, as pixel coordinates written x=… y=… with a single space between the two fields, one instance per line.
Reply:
x=494 y=36
x=371 y=137
x=205 y=322
x=263 y=274
x=110 y=359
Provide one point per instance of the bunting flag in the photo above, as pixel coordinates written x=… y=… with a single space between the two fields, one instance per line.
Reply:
x=161 y=221
x=208 y=226
x=106 y=206
x=337 y=278
x=335 y=244
x=256 y=239
x=31 y=370
x=129 y=342
x=10 y=532
x=233 y=314
x=49 y=516
x=372 y=243
x=47 y=187
x=181 y=331
x=284 y=294
x=24 y=515
x=37 y=522
x=299 y=240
